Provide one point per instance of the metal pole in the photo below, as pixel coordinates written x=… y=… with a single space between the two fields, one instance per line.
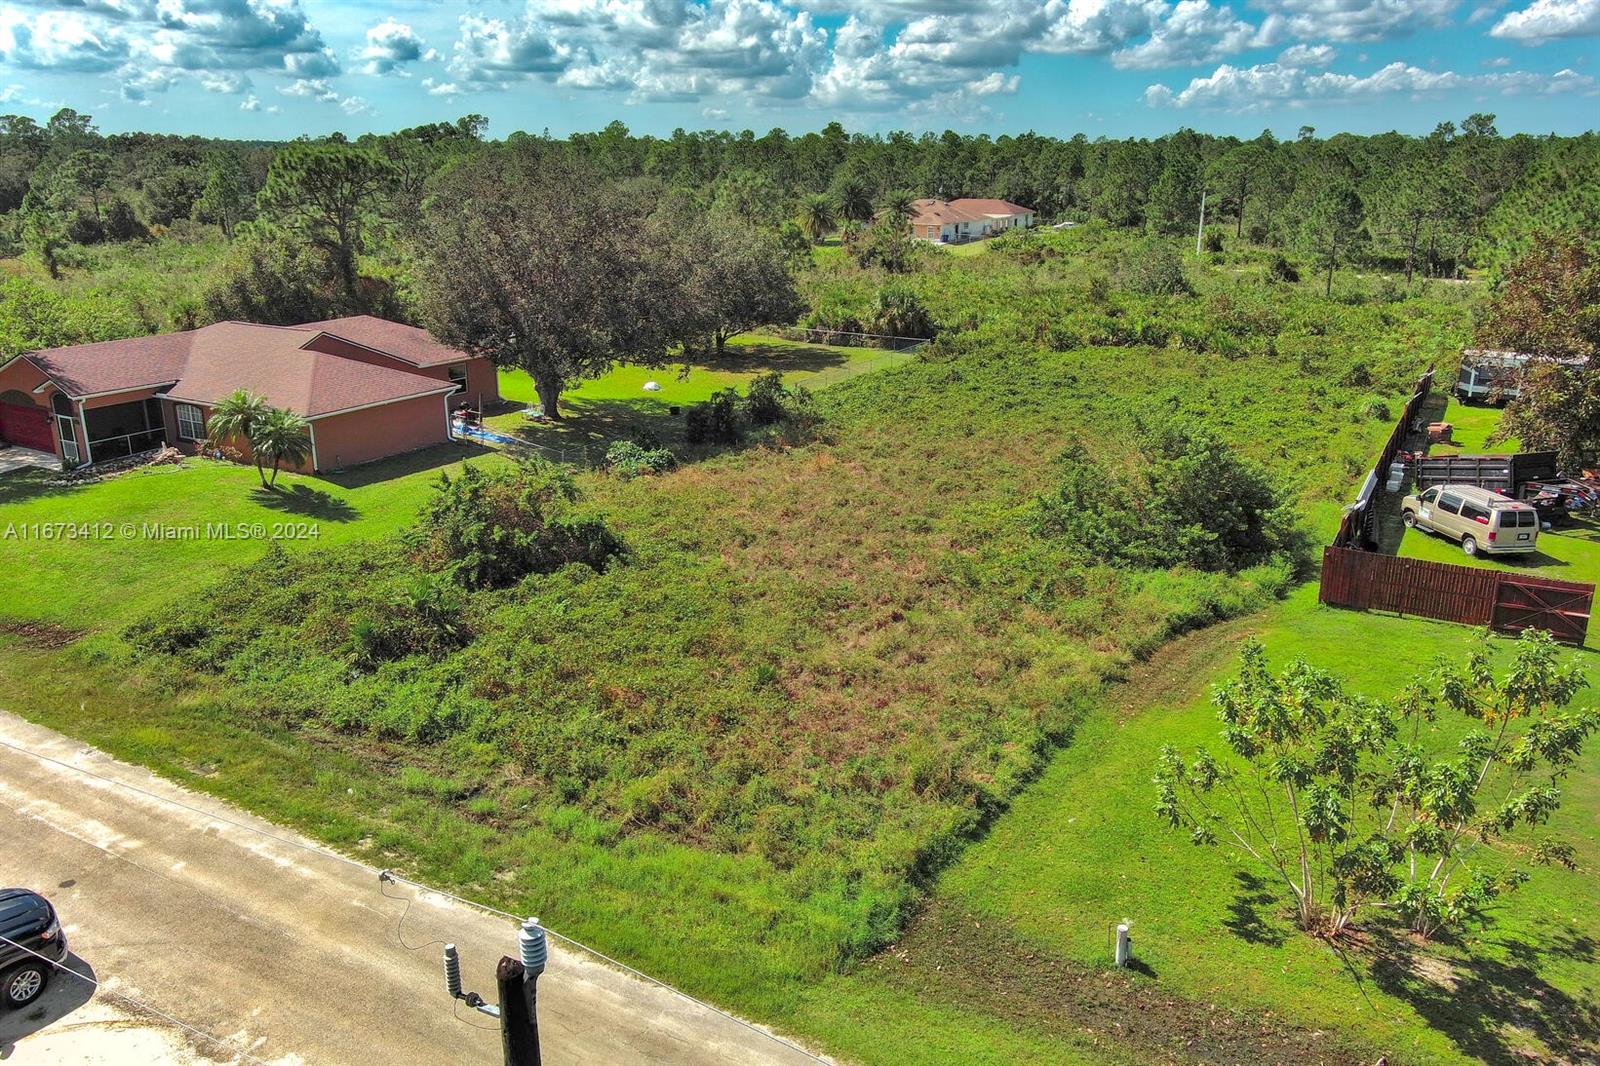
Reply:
x=1201 y=232
x=519 y=1040
x=1123 y=948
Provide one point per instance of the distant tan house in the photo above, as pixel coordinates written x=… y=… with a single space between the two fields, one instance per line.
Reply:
x=967 y=219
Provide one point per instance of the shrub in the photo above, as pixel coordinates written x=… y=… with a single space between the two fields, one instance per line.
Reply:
x=1375 y=411
x=424 y=618
x=1213 y=242
x=833 y=316
x=1190 y=501
x=1282 y=270
x=1154 y=268
x=716 y=421
x=490 y=529
x=764 y=403
x=122 y=224
x=85 y=229
x=896 y=312
x=634 y=458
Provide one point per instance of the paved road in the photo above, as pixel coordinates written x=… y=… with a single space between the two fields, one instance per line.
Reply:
x=288 y=954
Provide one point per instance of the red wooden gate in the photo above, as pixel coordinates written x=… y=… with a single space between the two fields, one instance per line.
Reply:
x=1477 y=596
x=1562 y=607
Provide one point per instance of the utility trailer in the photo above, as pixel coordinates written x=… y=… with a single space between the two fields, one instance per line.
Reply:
x=1502 y=473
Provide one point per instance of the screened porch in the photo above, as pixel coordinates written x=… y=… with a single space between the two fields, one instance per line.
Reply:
x=122 y=429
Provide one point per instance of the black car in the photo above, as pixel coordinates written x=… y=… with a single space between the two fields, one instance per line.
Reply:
x=28 y=925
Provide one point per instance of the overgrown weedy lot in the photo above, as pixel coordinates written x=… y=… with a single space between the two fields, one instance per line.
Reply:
x=842 y=684
x=821 y=667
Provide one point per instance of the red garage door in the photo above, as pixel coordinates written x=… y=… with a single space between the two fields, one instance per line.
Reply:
x=27 y=425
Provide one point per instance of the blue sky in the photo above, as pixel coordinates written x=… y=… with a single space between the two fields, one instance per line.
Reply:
x=278 y=68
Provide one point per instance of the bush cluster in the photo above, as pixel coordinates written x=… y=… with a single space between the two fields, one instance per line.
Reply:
x=1188 y=501
x=725 y=417
x=1154 y=268
x=715 y=420
x=629 y=459
x=491 y=528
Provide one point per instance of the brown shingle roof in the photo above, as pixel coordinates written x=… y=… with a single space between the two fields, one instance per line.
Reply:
x=408 y=343
x=277 y=365
x=937 y=213
x=984 y=208
x=274 y=362
x=929 y=212
x=111 y=366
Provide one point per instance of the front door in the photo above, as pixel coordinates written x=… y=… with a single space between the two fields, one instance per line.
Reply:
x=67 y=427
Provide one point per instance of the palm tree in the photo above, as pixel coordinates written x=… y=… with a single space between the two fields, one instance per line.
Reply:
x=897 y=207
x=236 y=418
x=283 y=437
x=854 y=198
x=817 y=215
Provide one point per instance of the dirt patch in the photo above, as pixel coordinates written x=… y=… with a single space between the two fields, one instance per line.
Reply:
x=1177 y=671
x=46 y=635
x=961 y=958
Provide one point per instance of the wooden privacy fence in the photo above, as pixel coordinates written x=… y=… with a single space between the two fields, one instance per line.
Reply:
x=1355 y=528
x=1505 y=602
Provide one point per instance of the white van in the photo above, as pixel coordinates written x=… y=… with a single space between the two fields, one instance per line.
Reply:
x=1479 y=520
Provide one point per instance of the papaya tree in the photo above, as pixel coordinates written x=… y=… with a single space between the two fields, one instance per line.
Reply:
x=1348 y=802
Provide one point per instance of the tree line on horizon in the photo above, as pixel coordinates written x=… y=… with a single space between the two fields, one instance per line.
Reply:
x=696 y=235
x=1431 y=204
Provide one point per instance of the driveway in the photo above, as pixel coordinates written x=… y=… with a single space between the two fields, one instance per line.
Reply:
x=281 y=953
x=15 y=457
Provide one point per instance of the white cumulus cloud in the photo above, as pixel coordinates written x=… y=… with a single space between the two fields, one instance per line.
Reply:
x=390 y=45
x=1271 y=85
x=1306 y=55
x=1546 y=20
x=1351 y=20
x=1194 y=32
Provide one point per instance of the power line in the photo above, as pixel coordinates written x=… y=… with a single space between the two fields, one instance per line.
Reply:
x=329 y=853
x=137 y=1004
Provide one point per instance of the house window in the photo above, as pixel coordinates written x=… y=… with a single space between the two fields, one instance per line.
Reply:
x=933 y=231
x=458 y=377
x=191 y=423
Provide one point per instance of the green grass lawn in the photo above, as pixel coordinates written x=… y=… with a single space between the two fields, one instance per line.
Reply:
x=49 y=582
x=94 y=556
x=1570 y=552
x=1080 y=851
x=617 y=406
x=968 y=249
x=1471 y=425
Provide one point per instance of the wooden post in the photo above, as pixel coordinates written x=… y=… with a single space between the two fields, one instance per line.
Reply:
x=1201 y=232
x=519 y=1036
